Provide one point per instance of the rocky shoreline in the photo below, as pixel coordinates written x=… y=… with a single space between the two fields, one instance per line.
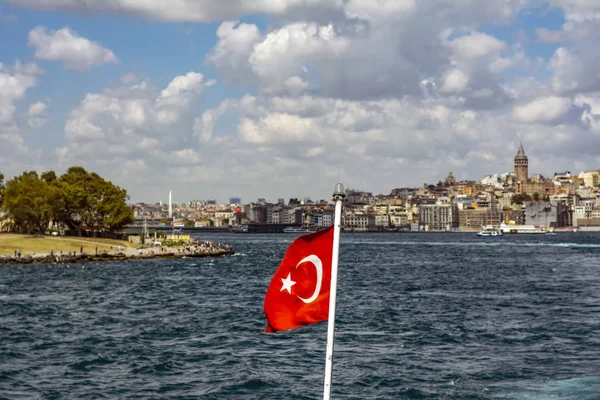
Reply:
x=120 y=256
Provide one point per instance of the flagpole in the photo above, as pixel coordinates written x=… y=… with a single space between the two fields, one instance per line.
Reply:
x=338 y=197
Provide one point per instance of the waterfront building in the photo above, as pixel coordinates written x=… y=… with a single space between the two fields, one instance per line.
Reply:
x=223 y=218
x=546 y=214
x=327 y=219
x=357 y=222
x=438 y=217
x=276 y=215
x=401 y=219
x=582 y=213
x=475 y=218
x=382 y=222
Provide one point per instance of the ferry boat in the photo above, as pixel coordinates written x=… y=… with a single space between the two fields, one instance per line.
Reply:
x=239 y=228
x=522 y=229
x=293 y=229
x=489 y=231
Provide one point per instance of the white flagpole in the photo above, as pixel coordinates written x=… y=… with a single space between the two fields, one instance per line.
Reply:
x=338 y=197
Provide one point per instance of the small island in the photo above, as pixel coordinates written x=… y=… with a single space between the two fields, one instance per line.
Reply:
x=22 y=249
x=76 y=217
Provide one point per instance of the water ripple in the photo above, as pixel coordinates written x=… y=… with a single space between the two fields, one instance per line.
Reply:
x=420 y=316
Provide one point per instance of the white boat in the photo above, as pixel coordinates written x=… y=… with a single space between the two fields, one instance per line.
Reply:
x=489 y=231
x=293 y=229
x=521 y=229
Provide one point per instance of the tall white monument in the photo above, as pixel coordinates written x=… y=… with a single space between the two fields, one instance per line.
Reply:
x=170 y=206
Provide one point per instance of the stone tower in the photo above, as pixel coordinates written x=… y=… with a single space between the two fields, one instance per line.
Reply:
x=450 y=179
x=521 y=165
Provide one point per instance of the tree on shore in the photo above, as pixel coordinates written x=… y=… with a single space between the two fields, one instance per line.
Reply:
x=79 y=199
x=94 y=203
x=2 y=217
x=31 y=203
x=1 y=186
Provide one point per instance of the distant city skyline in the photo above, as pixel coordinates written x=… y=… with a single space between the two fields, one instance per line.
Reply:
x=214 y=100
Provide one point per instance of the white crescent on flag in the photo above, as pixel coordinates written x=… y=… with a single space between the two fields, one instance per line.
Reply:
x=316 y=262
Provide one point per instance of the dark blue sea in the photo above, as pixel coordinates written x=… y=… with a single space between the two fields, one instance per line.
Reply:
x=420 y=316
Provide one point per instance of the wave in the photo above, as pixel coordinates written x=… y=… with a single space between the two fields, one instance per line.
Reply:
x=474 y=243
x=585 y=388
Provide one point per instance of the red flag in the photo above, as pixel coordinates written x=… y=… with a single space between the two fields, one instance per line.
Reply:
x=299 y=291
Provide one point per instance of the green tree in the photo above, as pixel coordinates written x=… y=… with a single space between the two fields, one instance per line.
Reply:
x=92 y=202
x=48 y=176
x=79 y=199
x=1 y=187
x=520 y=198
x=31 y=203
x=72 y=187
x=110 y=201
x=536 y=196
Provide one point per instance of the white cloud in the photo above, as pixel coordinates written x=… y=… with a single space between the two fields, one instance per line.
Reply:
x=181 y=10
x=474 y=46
x=454 y=81
x=383 y=49
x=137 y=124
x=36 y=109
x=377 y=93
x=544 y=110
x=574 y=65
x=37 y=115
x=379 y=9
x=65 y=45
x=235 y=44
x=278 y=60
x=178 y=96
x=549 y=36
x=134 y=109
x=14 y=83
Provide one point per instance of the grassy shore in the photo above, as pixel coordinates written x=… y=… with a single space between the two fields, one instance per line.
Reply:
x=35 y=245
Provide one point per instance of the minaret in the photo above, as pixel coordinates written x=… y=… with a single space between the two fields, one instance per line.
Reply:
x=521 y=165
x=170 y=206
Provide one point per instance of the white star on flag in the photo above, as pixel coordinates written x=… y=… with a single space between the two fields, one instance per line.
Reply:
x=287 y=284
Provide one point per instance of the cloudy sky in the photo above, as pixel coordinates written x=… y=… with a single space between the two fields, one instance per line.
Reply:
x=283 y=98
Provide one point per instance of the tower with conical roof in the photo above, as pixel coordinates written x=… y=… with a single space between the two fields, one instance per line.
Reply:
x=521 y=165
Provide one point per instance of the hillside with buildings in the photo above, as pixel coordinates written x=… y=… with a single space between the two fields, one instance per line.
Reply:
x=562 y=202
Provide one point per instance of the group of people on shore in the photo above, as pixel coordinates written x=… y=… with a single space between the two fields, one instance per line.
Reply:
x=201 y=247
x=59 y=254
x=193 y=248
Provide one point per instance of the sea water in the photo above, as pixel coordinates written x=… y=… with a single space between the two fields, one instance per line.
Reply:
x=420 y=316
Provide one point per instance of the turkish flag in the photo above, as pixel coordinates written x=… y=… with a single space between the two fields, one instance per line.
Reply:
x=299 y=291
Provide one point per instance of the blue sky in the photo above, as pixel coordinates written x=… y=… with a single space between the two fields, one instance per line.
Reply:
x=308 y=108
x=159 y=51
